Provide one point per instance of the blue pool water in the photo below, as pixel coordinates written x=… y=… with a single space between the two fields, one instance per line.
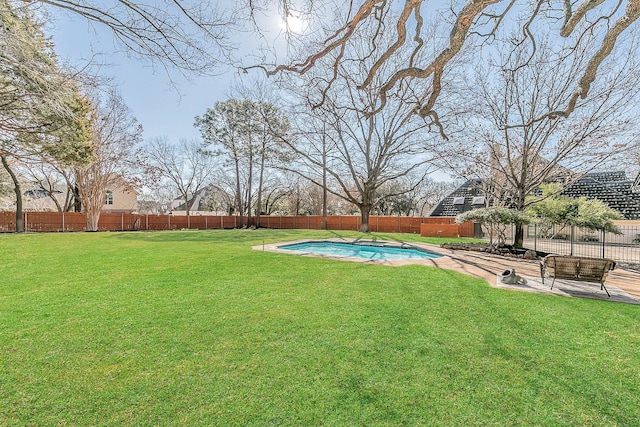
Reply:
x=380 y=253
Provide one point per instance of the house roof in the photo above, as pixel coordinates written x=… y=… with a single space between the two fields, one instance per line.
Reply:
x=38 y=193
x=614 y=189
x=451 y=206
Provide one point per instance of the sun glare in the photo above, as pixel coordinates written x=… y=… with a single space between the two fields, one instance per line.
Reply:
x=294 y=24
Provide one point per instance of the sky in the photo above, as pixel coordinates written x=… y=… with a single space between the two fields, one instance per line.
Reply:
x=164 y=105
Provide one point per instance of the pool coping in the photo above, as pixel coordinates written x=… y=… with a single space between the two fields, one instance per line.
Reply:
x=275 y=247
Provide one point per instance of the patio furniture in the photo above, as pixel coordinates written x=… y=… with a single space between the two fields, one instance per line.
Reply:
x=576 y=268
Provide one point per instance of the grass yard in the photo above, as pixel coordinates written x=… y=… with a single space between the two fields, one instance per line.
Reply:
x=195 y=328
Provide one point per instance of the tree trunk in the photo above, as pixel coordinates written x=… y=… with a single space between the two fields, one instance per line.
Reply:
x=92 y=211
x=366 y=207
x=55 y=201
x=92 y=219
x=364 y=216
x=77 y=201
x=187 y=209
x=249 y=188
x=518 y=239
x=324 y=203
x=260 y=183
x=18 y=192
x=239 y=193
x=324 y=184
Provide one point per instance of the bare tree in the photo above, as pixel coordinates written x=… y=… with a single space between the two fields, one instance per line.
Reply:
x=430 y=193
x=278 y=188
x=50 y=178
x=185 y=165
x=410 y=199
x=514 y=152
x=419 y=55
x=218 y=199
x=195 y=35
x=154 y=198
x=358 y=151
x=187 y=35
x=116 y=135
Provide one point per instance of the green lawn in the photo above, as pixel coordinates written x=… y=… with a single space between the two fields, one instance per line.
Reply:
x=195 y=328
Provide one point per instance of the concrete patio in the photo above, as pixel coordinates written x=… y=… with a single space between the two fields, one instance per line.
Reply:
x=487 y=267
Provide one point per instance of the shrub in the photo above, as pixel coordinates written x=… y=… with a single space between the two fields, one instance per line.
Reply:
x=495 y=219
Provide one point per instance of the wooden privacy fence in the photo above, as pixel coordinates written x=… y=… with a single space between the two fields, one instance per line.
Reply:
x=73 y=221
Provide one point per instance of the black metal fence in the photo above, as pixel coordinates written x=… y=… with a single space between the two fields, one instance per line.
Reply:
x=576 y=241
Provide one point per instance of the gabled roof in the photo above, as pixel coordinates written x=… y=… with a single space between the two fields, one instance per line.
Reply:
x=451 y=206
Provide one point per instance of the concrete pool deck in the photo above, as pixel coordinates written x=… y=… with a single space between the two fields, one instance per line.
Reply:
x=478 y=264
x=487 y=267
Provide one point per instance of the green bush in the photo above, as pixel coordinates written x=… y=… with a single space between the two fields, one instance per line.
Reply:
x=495 y=219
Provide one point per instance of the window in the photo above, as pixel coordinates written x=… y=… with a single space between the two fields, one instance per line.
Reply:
x=479 y=200
x=109 y=199
x=458 y=200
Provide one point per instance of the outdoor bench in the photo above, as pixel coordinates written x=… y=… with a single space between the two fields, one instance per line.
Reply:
x=581 y=269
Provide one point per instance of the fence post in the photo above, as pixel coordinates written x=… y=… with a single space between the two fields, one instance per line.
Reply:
x=535 y=237
x=169 y=218
x=604 y=233
x=63 y=221
x=121 y=222
x=24 y=225
x=571 y=241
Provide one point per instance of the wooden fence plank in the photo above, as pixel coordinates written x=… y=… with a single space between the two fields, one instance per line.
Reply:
x=73 y=221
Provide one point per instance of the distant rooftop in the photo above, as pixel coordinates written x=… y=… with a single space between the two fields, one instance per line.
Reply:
x=612 y=188
x=461 y=200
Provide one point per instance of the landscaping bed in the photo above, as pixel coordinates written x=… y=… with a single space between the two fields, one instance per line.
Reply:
x=502 y=250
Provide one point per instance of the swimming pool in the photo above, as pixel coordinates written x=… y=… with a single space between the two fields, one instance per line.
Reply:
x=370 y=251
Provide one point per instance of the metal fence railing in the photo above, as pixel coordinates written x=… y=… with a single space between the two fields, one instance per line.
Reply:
x=576 y=241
